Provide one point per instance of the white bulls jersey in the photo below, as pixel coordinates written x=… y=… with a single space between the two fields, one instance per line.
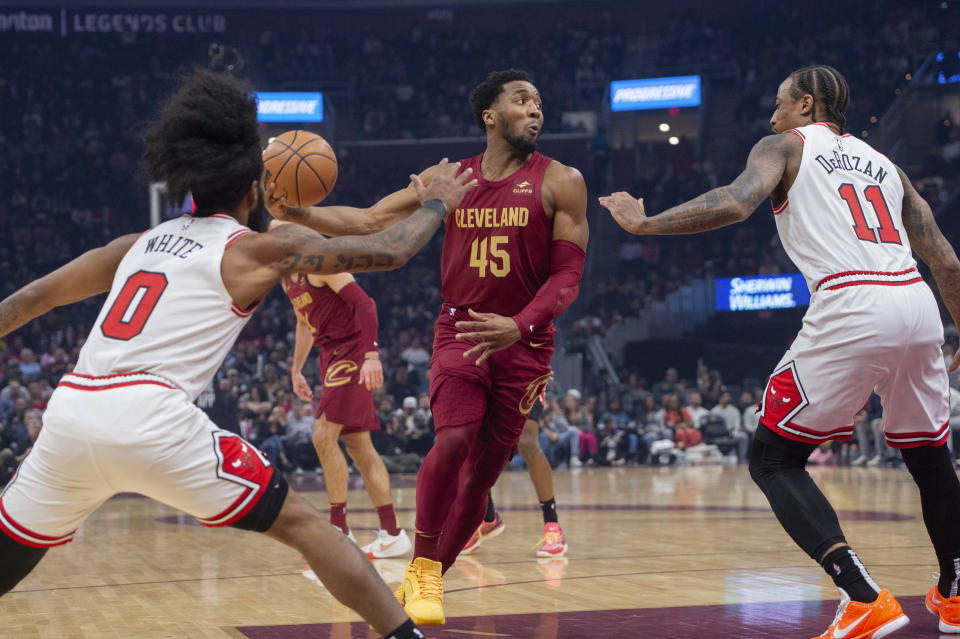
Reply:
x=168 y=312
x=841 y=220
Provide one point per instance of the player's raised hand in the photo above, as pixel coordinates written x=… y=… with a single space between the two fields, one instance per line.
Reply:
x=627 y=211
x=300 y=386
x=371 y=374
x=446 y=185
x=277 y=206
x=492 y=333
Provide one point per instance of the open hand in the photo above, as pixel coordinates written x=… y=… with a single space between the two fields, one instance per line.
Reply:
x=492 y=333
x=277 y=206
x=446 y=185
x=371 y=374
x=300 y=387
x=627 y=211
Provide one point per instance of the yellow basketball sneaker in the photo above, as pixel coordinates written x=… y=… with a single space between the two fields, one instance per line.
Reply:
x=421 y=593
x=857 y=620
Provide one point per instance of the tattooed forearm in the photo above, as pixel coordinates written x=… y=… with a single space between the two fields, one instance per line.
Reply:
x=729 y=204
x=711 y=210
x=391 y=248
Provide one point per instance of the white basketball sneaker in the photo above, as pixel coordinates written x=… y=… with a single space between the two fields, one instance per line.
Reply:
x=387 y=545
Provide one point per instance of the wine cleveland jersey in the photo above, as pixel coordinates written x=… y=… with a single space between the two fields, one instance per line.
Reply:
x=496 y=252
x=841 y=221
x=168 y=312
x=330 y=318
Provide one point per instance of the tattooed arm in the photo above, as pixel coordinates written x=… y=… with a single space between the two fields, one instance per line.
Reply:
x=933 y=248
x=88 y=275
x=347 y=220
x=255 y=262
x=724 y=205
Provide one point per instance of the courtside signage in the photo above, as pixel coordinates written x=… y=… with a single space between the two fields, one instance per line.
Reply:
x=762 y=292
x=655 y=93
x=273 y=106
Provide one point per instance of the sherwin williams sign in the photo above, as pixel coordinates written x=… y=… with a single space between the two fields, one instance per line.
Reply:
x=655 y=93
x=762 y=292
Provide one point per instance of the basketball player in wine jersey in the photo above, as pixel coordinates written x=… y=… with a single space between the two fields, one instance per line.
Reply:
x=849 y=218
x=335 y=314
x=512 y=260
x=179 y=295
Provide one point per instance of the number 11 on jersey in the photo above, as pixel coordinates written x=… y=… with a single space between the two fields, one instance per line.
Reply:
x=498 y=260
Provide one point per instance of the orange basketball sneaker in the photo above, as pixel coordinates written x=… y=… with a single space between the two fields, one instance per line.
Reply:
x=486 y=530
x=947 y=608
x=857 y=620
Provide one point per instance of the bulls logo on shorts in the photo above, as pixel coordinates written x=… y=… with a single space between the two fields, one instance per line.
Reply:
x=339 y=373
x=533 y=391
x=783 y=399
x=241 y=463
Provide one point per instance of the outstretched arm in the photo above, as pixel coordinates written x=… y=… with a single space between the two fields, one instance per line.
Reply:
x=716 y=208
x=934 y=249
x=348 y=220
x=256 y=261
x=88 y=275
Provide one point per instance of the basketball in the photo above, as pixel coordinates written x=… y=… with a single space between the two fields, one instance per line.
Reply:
x=303 y=165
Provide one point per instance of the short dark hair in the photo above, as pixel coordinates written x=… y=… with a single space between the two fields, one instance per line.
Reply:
x=205 y=141
x=486 y=93
x=829 y=89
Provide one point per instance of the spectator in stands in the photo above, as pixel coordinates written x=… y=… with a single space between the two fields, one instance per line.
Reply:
x=8 y=397
x=731 y=415
x=669 y=384
x=558 y=439
x=750 y=413
x=416 y=427
x=710 y=386
x=696 y=410
x=297 y=441
x=271 y=439
x=416 y=356
x=29 y=366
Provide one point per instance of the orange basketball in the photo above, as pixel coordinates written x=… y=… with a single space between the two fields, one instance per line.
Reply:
x=303 y=165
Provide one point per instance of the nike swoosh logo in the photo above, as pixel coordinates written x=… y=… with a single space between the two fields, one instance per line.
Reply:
x=537 y=344
x=935 y=600
x=385 y=546
x=843 y=632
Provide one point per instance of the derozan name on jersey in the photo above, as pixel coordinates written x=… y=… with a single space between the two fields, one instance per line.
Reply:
x=844 y=162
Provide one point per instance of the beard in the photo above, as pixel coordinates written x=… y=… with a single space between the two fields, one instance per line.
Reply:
x=259 y=219
x=521 y=144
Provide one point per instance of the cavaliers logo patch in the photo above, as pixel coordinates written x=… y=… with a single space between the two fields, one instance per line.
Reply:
x=339 y=373
x=536 y=387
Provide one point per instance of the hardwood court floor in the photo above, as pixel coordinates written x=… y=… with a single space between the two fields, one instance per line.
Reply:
x=654 y=552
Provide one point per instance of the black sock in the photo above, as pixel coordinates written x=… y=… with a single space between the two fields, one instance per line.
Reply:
x=407 y=631
x=549 y=509
x=849 y=575
x=491 y=510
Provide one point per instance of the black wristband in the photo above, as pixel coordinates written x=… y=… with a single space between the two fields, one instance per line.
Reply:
x=408 y=630
x=437 y=206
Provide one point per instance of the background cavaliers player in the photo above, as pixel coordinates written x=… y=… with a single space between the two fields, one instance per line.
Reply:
x=512 y=261
x=179 y=295
x=872 y=324
x=335 y=314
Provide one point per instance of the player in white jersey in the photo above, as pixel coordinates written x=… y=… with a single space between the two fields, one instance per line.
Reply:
x=179 y=294
x=848 y=217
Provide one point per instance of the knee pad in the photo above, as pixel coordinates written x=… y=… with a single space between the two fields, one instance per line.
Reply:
x=771 y=454
x=16 y=562
x=930 y=466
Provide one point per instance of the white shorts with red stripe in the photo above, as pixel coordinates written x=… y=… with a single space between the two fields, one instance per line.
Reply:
x=862 y=333
x=127 y=433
